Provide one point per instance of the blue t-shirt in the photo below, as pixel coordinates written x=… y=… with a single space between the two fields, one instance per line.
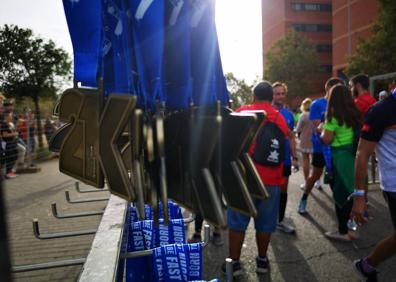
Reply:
x=317 y=112
x=288 y=116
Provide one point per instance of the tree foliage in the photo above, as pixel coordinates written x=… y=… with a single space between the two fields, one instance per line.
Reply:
x=30 y=66
x=377 y=54
x=293 y=60
x=240 y=91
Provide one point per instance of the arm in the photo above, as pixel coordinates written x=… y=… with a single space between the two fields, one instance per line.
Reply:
x=327 y=136
x=293 y=149
x=364 y=151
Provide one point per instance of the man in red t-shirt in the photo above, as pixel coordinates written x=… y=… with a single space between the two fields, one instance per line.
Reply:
x=266 y=220
x=360 y=84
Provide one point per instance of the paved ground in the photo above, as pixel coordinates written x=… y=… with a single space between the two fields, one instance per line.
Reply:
x=30 y=196
x=306 y=256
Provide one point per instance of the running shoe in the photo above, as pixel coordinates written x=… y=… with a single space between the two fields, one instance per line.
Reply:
x=287 y=228
x=318 y=186
x=196 y=238
x=335 y=235
x=217 y=240
x=302 y=207
x=262 y=265
x=10 y=175
x=236 y=268
x=367 y=276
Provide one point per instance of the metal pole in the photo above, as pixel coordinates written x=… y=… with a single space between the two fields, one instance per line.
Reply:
x=36 y=232
x=46 y=265
x=70 y=215
x=67 y=194
x=229 y=271
x=88 y=190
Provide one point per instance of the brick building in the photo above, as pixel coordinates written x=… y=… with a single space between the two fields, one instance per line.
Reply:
x=334 y=26
x=352 y=19
x=313 y=18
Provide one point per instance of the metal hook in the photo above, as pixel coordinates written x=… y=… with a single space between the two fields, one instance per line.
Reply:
x=77 y=184
x=36 y=232
x=150 y=252
x=83 y=201
x=70 y=215
x=46 y=265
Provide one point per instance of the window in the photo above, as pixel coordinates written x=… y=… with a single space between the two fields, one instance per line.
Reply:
x=326 y=68
x=311 y=7
x=323 y=48
x=312 y=27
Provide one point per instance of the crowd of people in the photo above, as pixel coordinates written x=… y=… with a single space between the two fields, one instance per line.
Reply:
x=334 y=136
x=18 y=133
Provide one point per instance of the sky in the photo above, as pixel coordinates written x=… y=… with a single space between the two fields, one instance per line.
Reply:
x=238 y=25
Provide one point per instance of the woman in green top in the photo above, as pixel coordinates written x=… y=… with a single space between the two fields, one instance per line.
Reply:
x=342 y=120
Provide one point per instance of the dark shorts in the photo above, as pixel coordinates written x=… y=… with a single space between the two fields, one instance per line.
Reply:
x=390 y=198
x=286 y=171
x=318 y=160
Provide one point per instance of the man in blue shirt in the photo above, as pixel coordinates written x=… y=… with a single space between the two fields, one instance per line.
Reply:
x=317 y=116
x=278 y=102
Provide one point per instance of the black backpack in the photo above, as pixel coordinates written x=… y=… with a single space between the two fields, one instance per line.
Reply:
x=270 y=145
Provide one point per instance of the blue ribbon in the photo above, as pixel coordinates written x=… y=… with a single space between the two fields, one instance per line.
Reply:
x=177 y=262
x=84 y=19
x=117 y=48
x=137 y=269
x=208 y=79
x=147 y=18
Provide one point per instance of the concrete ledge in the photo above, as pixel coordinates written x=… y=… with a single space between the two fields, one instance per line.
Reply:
x=102 y=261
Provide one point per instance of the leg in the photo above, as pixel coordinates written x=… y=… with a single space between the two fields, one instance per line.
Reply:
x=387 y=247
x=384 y=250
x=235 y=239
x=343 y=216
x=283 y=200
x=237 y=224
x=306 y=165
x=196 y=237
x=263 y=240
x=315 y=175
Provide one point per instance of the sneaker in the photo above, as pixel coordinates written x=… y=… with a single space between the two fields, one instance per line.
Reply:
x=287 y=228
x=196 y=238
x=335 y=235
x=368 y=276
x=302 y=207
x=318 y=186
x=262 y=265
x=10 y=175
x=217 y=240
x=302 y=186
x=236 y=268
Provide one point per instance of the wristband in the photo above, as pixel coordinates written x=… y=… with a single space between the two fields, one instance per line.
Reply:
x=359 y=193
x=356 y=193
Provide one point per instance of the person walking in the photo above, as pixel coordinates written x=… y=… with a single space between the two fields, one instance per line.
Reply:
x=278 y=102
x=271 y=176
x=378 y=134
x=10 y=137
x=317 y=116
x=304 y=131
x=341 y=123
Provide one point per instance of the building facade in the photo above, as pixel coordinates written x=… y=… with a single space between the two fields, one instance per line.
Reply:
x=312 y=18
x=352 y=19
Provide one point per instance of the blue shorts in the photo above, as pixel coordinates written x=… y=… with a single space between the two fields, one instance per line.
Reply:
x=267 y=214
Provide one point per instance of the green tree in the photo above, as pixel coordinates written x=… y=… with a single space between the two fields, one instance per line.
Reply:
x=294 y=61
x=31 y=67
x=377 y=55
x=240 y=91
